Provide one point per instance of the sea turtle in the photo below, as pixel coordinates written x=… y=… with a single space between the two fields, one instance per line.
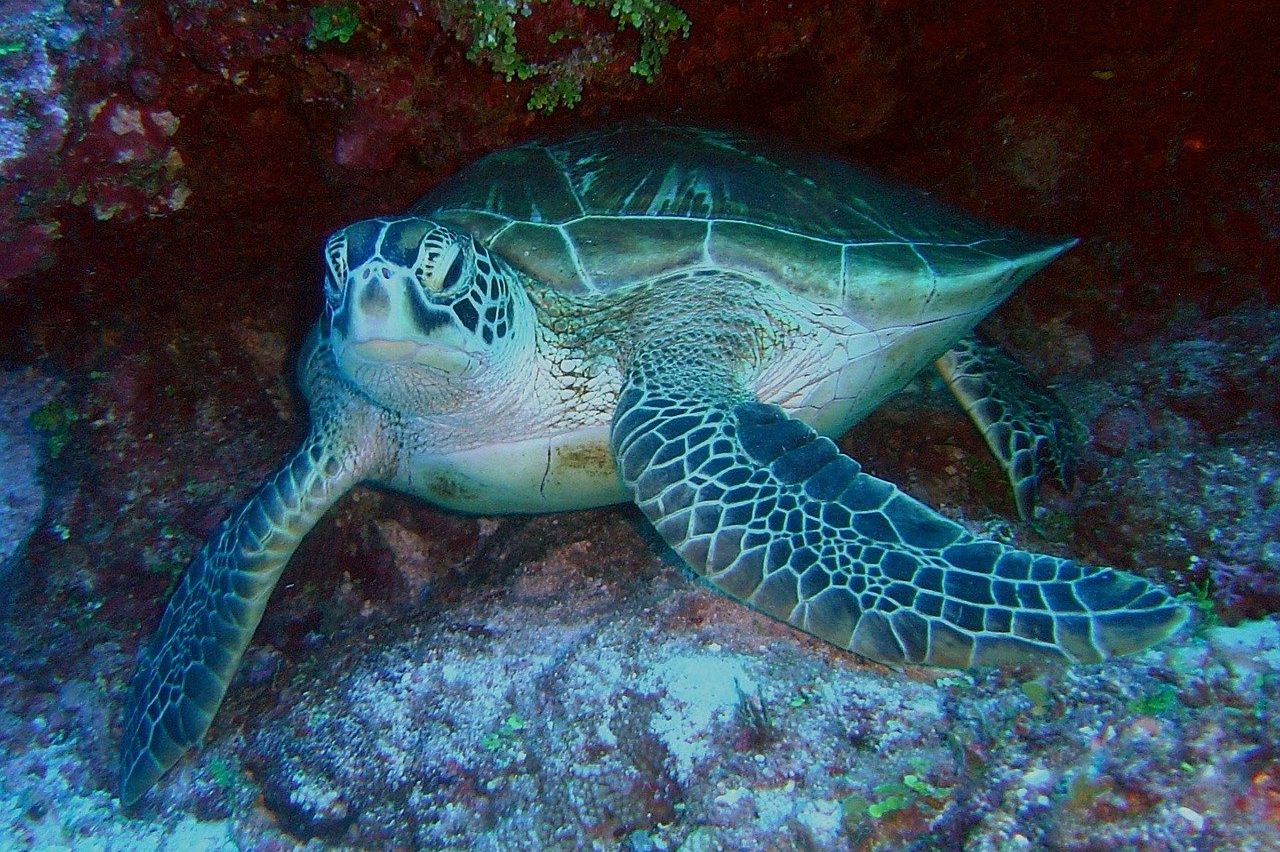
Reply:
x=682 y=318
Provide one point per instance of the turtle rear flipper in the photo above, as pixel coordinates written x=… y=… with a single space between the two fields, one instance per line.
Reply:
x=774 y=515
x=1029 y=430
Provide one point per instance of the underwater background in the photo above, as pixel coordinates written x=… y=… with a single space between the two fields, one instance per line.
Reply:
x=168 y=173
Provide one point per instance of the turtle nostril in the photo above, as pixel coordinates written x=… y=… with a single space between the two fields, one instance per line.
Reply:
x=375 y=300
x=386 y=273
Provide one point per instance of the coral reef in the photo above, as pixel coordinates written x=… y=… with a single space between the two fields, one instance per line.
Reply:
x=168 y=171
x=583 y=51
x=34 y=110
x=572 y=707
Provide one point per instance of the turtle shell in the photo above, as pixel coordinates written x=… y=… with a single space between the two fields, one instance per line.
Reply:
x=613 y=207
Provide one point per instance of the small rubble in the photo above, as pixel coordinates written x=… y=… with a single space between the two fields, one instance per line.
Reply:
x=1187 y=448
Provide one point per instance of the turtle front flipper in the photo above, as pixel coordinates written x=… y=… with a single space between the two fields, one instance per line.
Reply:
x=185 y=669
x=1027 y=427
x=776 y=516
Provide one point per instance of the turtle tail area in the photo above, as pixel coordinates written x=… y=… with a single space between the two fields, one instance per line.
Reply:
x=184 y=671
x=776 y=516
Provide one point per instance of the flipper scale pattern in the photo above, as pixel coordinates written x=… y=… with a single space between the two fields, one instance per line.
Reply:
x=773 y=514
x=185 y=669
x=1028 y=429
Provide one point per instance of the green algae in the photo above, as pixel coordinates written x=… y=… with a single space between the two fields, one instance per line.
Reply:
x=54 y=420
x=489 y=26
x=334 y=22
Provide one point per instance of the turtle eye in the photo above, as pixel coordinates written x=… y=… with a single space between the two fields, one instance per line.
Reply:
x=442 y=270
x=452 y=275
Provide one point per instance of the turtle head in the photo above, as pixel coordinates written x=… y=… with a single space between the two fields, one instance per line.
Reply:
x=414 y=308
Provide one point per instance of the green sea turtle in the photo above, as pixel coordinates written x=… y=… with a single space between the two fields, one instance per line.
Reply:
x=682 y=318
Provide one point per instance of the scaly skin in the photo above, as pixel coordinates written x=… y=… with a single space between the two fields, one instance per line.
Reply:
x=183 y=674
x=1025 y=425
x=774 y=515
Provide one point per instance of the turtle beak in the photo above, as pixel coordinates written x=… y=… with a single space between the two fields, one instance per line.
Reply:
x=380 y=350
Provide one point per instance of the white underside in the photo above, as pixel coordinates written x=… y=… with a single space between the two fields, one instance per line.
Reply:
x=572 y=470
x=830 y=385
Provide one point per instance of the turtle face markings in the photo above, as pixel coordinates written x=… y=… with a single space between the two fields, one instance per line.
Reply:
x=413 y=307
x=484 y=308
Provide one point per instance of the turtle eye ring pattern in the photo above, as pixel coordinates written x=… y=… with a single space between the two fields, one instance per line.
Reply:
x=335 y=279
x=441 y=262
